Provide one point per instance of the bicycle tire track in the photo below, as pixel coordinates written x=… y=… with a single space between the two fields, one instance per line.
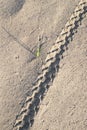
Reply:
x=25 y=118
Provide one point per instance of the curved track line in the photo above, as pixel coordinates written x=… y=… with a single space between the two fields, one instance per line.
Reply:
x=25 y=118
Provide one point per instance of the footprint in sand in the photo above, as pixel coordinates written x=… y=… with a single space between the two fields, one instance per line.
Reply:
x=10 y=7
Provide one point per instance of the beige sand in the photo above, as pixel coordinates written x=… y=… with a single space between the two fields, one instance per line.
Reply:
x=65 y=105
x=26 y=20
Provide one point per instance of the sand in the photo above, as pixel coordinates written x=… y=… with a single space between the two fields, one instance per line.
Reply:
x=65 y=105
x=29 y=20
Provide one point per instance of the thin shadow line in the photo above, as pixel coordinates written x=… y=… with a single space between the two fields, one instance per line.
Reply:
x=19 y=41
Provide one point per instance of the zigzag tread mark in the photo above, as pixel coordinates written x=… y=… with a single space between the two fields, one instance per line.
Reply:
x=32 y=104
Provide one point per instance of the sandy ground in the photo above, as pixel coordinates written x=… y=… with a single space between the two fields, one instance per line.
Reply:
x=65 y=105
x=27 y=20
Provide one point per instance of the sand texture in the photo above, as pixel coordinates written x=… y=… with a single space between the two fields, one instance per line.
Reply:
x=65 y=105
x=24 y=25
